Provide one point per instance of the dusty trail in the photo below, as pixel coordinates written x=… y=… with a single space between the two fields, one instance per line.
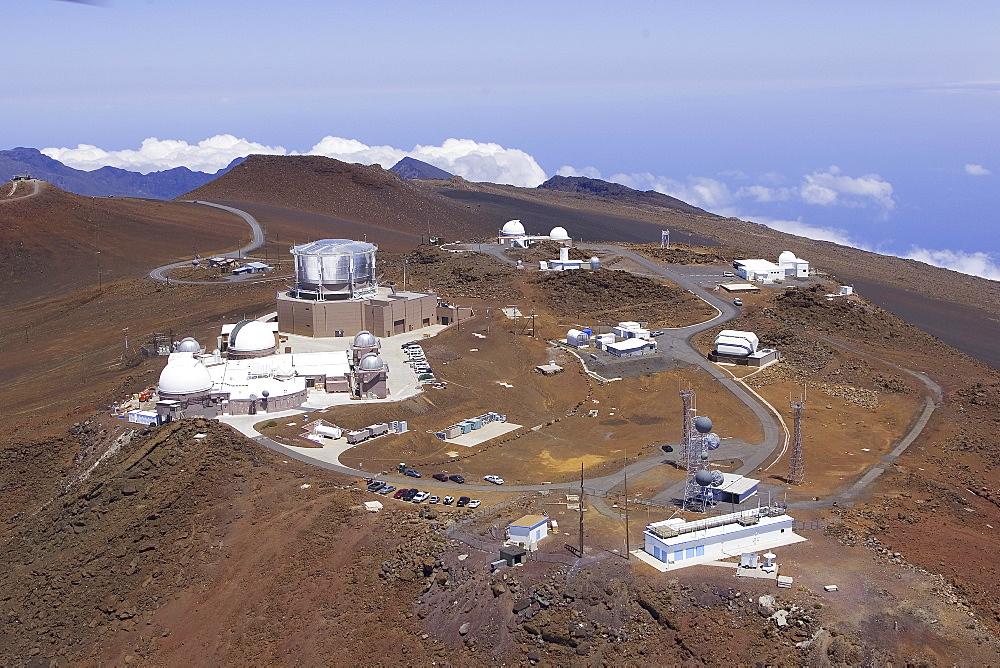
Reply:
x=36 y=187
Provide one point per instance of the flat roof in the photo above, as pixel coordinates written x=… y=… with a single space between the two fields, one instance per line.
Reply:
x=529 y=521
x=737 y=287
x=737 y=484
x=759 y=265
x=631 y=344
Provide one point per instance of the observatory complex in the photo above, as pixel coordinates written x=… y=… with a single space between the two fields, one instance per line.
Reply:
x=512 y=234
x=336 y=293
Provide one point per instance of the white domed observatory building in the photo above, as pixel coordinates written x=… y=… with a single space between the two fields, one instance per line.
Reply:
x=513 y=234
x=370 y=377
x=336 y=293
x=249 y=339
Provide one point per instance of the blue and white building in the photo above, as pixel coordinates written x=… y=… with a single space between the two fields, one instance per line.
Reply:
x=528 y=530
x=676 y=543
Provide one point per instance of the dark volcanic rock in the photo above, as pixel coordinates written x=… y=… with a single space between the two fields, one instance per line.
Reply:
x=411 y=168
x=598 y=188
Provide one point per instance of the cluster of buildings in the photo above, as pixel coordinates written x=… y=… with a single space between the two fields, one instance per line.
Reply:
x=764 y=271
x=626 y=339
x=512 y=234
x=335 y=295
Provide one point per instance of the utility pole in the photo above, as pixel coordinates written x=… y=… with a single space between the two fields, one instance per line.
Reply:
x=404 y=274
x=580 y=548
x=628 y=547
x=797 y=468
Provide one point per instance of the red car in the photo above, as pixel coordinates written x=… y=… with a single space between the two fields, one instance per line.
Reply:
x=399 y=493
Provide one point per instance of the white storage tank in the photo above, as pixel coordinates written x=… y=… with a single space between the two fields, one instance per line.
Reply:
x=737 y=343
x=335 y=268
x=595 y=263
x=330 y=431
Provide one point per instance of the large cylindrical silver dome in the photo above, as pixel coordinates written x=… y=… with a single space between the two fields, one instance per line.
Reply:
x=335 y=269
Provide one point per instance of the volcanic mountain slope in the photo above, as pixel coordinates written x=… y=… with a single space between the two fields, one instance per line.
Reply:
x=56 y=241
x=957 y=308
x=585 y=186
x=411 y=168
x=360 y=193
x=106 y=181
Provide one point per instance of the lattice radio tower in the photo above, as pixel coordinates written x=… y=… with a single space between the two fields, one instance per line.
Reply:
x=687 y=429
x=797 y=467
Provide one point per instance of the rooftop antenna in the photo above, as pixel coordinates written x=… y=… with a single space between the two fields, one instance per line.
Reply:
x=797 y=468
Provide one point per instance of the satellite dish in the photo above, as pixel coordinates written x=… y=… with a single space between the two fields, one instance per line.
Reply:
x=703 y=424
x=711 y=441
x=704 y=456
x=265 y=394
x=717 y=478
x=703 y=477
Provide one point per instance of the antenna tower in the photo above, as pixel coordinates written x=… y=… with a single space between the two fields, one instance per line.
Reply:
x=687 y=428
x=797 y=469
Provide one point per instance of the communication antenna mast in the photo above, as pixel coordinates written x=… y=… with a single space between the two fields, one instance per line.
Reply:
x=665 y=239
x=797 y=469
x=687 y=427
x=580 y=548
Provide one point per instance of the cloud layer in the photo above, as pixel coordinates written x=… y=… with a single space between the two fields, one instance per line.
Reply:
x=975 y=264
x=472 y=160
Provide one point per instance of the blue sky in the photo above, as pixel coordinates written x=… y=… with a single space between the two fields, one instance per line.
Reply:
x=873 y=123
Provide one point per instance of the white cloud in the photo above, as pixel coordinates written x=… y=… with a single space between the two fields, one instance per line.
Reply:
x=975 y=264
x=476 y=161
x=831 y=187
x=765 y=194
x=977 y=170
x=701 y=191
x=209 y=155
x=568 y=170
x=799 y=228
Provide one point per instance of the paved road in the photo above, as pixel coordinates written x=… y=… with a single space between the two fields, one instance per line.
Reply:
x=36 y=187
x=676 y=344
x=256 y=242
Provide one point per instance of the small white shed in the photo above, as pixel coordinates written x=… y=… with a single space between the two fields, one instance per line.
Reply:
x=529 y=529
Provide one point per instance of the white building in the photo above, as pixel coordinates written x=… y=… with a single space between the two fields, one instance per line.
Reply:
x=528 y=530
x=793 y=266
x=578 y=338
x=677 y=543
x=563 y=263
x=736 y=342
x=634 y=347
x=758 y=270
x=513 y=234
x=630 y=330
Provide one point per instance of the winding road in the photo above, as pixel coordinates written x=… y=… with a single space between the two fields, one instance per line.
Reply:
x=160 y=273
x=36 y=187
x=676 y=345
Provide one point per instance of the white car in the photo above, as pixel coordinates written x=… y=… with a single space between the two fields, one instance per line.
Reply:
x=475 y=503
x=495 y=479
x=420 y=497
x=448 y=500
x=434 y=499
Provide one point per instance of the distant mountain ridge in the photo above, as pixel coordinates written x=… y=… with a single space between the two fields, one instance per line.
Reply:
x=411 y=168
x=586 y=186
x=106 y=181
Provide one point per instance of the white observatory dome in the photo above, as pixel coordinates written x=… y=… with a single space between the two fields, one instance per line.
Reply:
x=184 y=375
x=251 y=336
x=188 y=345
x=559 y=234
x=364 y=339
x=512 y=228
x=787 y=256
x=371 y=362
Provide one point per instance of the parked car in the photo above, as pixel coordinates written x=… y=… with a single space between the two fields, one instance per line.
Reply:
x=447 y=500
x=434 y=499
x=495 y=479
x=399 y=494
x=442 y=477
x=667 y=448
x=456 y=478
x=411 y=344
x=410 y=494
x=413 y=473
x=376 y=486
x=728 y=274
x=738 y=301
x=656 y=332
x=474 y=503
x=421 y=497
x=463 y=501
x=388 y=489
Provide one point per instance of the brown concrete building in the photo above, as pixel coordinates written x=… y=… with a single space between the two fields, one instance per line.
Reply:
x=389 y=313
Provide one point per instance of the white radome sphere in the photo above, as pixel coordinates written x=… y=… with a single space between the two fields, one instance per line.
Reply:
x=559 y=234
x=251 y=337
x=188 y=345
x=512 y=228
x=184 y=375
x=364 y=339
